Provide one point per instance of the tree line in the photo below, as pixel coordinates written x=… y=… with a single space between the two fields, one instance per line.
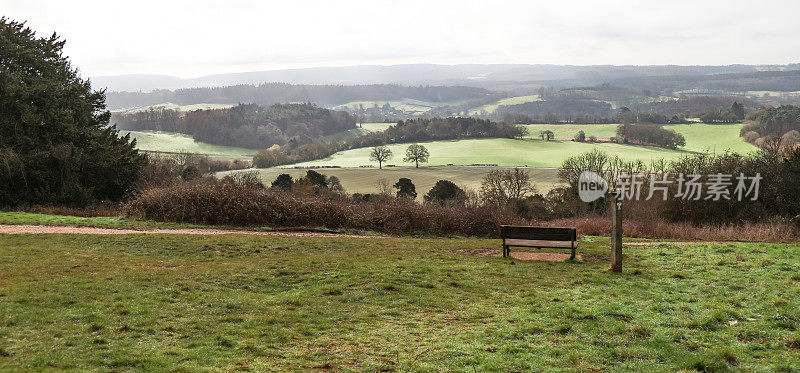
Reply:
x=649 y=134
x=409 y=131
x=271 y=93
x=245 y=125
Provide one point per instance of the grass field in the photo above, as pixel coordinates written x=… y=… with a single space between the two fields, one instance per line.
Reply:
x=177 y=142
x=364 y=180
x=704 y=138
x=503 y=152
x=364 y=128
x=700 y=137
x=491 y=107
x=235 y=302
x=26 y=218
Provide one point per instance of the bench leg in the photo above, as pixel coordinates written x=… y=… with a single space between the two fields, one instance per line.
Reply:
x=572 y=256
x=506 y=251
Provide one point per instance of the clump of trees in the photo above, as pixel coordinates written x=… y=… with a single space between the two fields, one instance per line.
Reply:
x=445 y=192
x=557 y=108
x=424 y=130
x=547 y=135
x=405 y=188
x=55 y=143
x=649 y=134
x=771 y=122
x=734 y=114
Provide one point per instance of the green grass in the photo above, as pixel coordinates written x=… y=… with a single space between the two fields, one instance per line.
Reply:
x=364 y=128
x=176 y=142
x=364 y=180
x=235 y=302
x=26 y=218
x=705 y=138
x=700 y=137
x=503 y=152
x=491 y=107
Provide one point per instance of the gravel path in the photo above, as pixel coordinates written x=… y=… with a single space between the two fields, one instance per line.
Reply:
x=40 y=229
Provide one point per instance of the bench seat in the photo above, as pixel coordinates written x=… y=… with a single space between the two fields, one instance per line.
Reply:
x=538 y=237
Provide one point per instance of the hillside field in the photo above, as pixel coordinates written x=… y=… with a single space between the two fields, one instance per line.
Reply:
x=365 y=180
x=502 y=152
x=176 y=142
x=491 y=107
x=164 y=302
x=363 y=128
x=700 y=137
x=536 y=153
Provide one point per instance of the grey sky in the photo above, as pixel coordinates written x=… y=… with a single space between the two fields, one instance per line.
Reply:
x=193 y=38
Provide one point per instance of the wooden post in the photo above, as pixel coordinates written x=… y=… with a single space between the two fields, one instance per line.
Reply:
x=616 y=236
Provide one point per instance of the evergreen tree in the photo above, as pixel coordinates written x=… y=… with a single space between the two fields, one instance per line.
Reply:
x=405 y=188
x=445 y=192
x=56 y=145
x=284 y=181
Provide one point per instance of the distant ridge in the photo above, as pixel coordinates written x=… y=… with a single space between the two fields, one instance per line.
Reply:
x=425 y=74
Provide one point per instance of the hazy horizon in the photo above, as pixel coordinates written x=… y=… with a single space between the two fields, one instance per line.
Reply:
x=193 y=39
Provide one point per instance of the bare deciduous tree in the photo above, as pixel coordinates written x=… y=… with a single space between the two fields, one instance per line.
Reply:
x=416 y=153
x=503 y=186
x=380 y=154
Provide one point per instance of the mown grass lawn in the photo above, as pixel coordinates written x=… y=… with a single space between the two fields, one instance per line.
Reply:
x=164 y=302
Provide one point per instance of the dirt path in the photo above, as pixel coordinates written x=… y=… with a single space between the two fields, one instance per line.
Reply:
x=653 y=243
x=39 y=229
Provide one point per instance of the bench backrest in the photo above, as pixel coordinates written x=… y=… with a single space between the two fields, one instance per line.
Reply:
x=538 y=233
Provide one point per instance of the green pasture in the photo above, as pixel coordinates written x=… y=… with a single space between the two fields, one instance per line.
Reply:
x=491 y=107
x=700 y=137
x=176 y=142
x=502 y=152
x=363 y=128
x=233 y=302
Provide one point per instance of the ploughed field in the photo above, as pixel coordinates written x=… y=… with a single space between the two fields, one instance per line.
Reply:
x=237 y=302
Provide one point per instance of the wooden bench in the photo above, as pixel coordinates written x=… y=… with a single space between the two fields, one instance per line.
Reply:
x=554 y=238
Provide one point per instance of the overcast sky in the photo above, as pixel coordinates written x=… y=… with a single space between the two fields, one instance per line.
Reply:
x=194 y=38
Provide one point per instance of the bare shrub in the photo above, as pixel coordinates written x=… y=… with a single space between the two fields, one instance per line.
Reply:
x=501 y=187
x=229 y=203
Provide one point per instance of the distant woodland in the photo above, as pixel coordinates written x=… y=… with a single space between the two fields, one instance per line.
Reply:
x=246 y=125
x=271 y=93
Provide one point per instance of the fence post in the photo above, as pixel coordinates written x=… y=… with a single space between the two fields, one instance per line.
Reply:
x=616 y=235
